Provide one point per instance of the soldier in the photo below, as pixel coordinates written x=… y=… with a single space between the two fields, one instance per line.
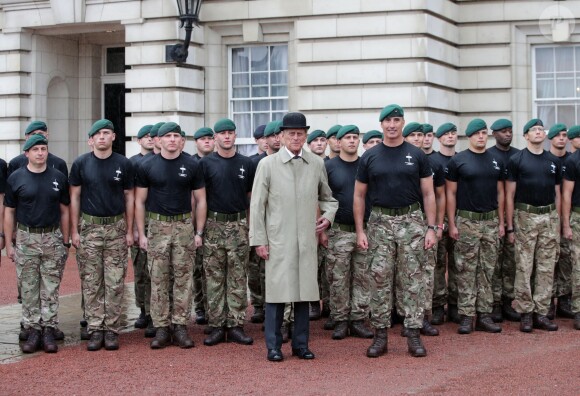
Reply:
x=397 y=176
x=204 y=142
x=139 y=256
x=153 y=134
x=347 y=270
x=260 y=140
x=228 y=179
x=475 y=210
x=102 y=200
x=170 y=183
x=532 y=216
x=317 y=143
x=272 y=133
x=37 y=199
x=562 y=289
x=505 y=271
x=333 y=144
x=444 y=291
x=571 y=216
x=428 y=139
x=371 y=139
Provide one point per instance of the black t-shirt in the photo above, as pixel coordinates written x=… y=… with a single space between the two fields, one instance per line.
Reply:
x=37 y=196
x=103 y=183
x=52 y=162
x=536 y=176
x=476 y=175
x=169 y=183
x=196 y=156
x=136 y=159
x=394 y=174
x=571 y=172
x=438 y=172
x=258 y=157
x=228 y=182
x=438 y=158
x=341 y=179
x=503 y=155
x=3 y=175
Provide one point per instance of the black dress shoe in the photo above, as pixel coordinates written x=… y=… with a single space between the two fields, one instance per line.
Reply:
x=303 y=353
x=275 y=355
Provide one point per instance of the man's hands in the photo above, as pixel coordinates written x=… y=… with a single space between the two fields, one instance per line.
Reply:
x=263 y=251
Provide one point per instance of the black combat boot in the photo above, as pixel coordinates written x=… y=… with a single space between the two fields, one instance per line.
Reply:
x=141 y=321
x=32 y=344
x=526 y=322
x=544 y=323
x=150 y=330
x=329 y=324
x=340 y=330
x=427 y=329
x=358 y=329
x=485 y=323
x=23 y=335
x=181 y=338
x=111 y=341
x=508 y=312
x=552 y=310
x=379 y=345
x=438 y=316
x=58 y=334
x=496 y=313
x=48 y=341
x=200 y=317
x=414 y=344
x=237 y=335
x=96 y=341
x=162 y=338
x=577 y=321
x=216 y=336
x=325 y=313
x=465 y=325
x=258 y=316
x=453 y=313
x=314 y=310
x=564 y=309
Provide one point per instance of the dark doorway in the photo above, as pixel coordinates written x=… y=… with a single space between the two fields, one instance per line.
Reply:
x=115 y=112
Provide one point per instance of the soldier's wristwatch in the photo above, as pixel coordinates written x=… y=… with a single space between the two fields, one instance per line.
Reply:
x=68 y=245
x=432 y=227
x=199 y=233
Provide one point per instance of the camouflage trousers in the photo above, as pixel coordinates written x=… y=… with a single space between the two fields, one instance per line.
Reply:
x=563 y=270
x=256 y=279
x=348 y=275
x=575 y=250
x=323 y=283
x=199 y=291
x=536 y=247
x=504 y=275
x=475 y=262
x=225 y=260
x=288 y=314
x=171 y=251
x=431 y=256
x=142 y=279
x=396 y=245
x=102 y=258
x=40 y=261
x=445 y=264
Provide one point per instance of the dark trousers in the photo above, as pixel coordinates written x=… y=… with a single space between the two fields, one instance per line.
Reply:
x=273 y=323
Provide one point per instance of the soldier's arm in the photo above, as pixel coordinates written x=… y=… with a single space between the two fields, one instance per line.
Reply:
x=2 y=239
x=567 y=190
x=8 y=230
x=451 y=197
x=140 y=199
x=65 y=222
x=358 y=210
x=558 y=201
x=200 y=213
x=129 y=214
x=75 y=214
x=501 y=208
x=430 y=209
x=510 y=193
x=440 y=204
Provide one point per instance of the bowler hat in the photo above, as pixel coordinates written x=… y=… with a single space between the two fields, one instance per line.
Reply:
x=294 y=121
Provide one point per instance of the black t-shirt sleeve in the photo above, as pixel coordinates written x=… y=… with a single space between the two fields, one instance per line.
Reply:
x=75 y=178
x=198 y=181
x=9 y=196
x=64 y=193
x=438 y=175
x=362 y=174
x=451 y=171
x=424 y=166
x=129 y=181
x=512 y=168
x=569 y=171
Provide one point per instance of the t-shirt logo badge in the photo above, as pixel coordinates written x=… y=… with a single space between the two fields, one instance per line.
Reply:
x=495 y=164
x=242 y=170
x=553 y=168
x=55 y=183
x=118 y=172
x=182 y=169
x=409 y=158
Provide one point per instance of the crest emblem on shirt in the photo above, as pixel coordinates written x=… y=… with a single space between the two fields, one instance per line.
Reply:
x=552 y=168
x=241 y=175
x=118 y=173
x=495 y=166
x=55 y=184
x=182 y=173
x=409 y=158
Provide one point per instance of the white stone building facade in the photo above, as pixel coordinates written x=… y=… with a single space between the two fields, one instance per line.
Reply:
x=71 y=62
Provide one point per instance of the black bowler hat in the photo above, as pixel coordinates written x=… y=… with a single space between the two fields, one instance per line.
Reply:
x=294 y=121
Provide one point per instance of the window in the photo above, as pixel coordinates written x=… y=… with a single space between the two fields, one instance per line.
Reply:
x=557 y=84
x=115 y=60
x=258 y=89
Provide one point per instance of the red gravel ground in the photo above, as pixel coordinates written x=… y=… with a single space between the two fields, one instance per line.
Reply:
x=508 y=363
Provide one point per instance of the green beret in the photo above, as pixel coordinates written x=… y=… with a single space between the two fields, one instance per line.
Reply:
x=346 y=129
x=272 y=128
x=427 y=128
x=167 y=128
x=155 y=129
x=412 y=127
x=225 y=124
x=556 y=129
x=34 y=140
x=443 y=129
x=144 y=131
x=333 y=130
x=532 y=123
x=314 y=135
x=502 y=123
x=372 y=134
x=35 y=126
x=392 y=110
x=477 y=124
x=573 y=132
x=201 y=132
x=101 y=124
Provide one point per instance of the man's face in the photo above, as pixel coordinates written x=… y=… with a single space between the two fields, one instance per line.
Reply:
x=294 y=139
x=448 y=139
x=576 y=143
x=170 y=142
x=393 y=127
x=478 y=140
x=559 y=141
x=273 y=141
x=103 y=139
x=146 y=142
x=262 y=143
x=334 y=144
x=416 y=139
x=157 y=142
x=349 y=143
x=205 y=145
x=428 y=140
x=536 y=134
x=37 y=155
x=503 y=137
x=372 y=143
x=318 y=145
x=225 y=139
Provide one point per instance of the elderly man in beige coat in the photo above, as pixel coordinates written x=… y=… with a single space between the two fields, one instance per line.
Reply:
x=289 y=186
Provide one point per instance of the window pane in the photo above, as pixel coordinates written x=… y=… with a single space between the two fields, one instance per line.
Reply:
x=544 y=59
x=261 y=119
x=279 y=58
x=243 y=125
x=545 y=89
x=280 y=104
x=260 y=105
x=278 y=116
x=259 y=78
x=279 y=78
x=259 y=58
x=259 y=92
x=116 y=60
x=240 y=59
x=547 y=114
x=241 y=92
x=566 y=115
x=565 y=88
x=240 y=79
x=280 y=91
x=241 y=105
x=564 y=59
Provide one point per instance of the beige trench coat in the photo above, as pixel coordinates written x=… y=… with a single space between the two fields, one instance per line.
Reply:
x=285 y=198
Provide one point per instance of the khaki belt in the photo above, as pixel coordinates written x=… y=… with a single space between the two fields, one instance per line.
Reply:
x=346 y=227
x=101 y=220
x=477 y=216
x=226 y=216
x=37 y=230
x=535 y=209
x=160 y=217
x=397 y=211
